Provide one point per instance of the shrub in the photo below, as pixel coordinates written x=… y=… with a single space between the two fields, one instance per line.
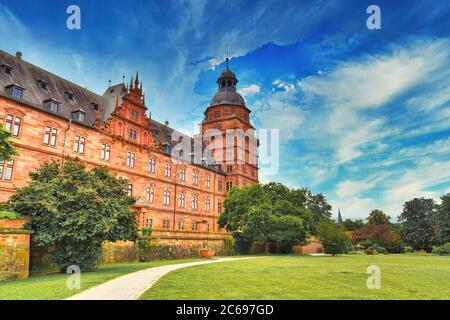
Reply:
x=144 y=247
x=371 y=251
x=408 y=249
x=442 y=250
x=9 y=215
x=333 y=238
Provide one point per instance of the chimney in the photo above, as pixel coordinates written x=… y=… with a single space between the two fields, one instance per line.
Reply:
x=19 y=55
x=166 y=123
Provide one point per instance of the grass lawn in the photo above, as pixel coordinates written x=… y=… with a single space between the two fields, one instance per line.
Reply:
x=54 y=286
x=306 y=277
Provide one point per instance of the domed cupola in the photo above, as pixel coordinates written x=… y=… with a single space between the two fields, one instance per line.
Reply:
x=227 y=93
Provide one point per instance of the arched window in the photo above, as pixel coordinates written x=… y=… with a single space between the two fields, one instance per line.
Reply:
x=150 y=195
x=181 y=200
x=168 y=170
x=194 y=202
x=167 y=198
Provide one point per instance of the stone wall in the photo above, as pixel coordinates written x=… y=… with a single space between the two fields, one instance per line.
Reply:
x=314 y=246
x=14 y=249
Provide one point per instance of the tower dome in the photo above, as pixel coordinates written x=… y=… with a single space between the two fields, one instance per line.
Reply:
x=227 y=93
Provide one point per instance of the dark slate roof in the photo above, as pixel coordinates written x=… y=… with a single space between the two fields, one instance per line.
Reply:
x=27 y=75
x=227 y=96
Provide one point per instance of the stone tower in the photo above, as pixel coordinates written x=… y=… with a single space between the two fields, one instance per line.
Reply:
x=229 y=134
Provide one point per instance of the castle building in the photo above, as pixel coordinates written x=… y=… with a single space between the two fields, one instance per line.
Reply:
x=180 y=181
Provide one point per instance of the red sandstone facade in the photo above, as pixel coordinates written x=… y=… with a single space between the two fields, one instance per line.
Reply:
x=114 y=130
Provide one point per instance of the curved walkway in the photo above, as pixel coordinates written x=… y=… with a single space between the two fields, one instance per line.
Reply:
x=133 y=285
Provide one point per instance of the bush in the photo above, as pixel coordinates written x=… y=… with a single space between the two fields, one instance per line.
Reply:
x=371 y=251
x=144 y=247
x=408 y=249
x=9 y=215
x=442 y=250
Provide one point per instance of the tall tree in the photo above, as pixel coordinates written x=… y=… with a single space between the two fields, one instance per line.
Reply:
x=333 y=238
x=441 y=221
x=268 y=213
x=350 y=225
x=416 y=220
x=74 y=210
x=318 y=206
x=378 y=217
x=7 y=150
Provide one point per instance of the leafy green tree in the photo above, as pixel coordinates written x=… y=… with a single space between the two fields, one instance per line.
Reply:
x=441 y=221
x=416 y=220
x=74 y=210
x=318 y=206
x=378 y=217
x=7 y=150
x=269 y=213
x=333 y=237
x=350 y=225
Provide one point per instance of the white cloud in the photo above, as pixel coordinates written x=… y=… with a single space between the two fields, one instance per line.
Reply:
x=358 y=86
x=350 y=188
x=250 y=90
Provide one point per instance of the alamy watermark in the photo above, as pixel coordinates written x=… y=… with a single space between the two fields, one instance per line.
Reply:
x=374 y=280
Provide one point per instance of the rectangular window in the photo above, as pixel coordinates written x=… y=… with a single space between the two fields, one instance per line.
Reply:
x=208 y=182
x=219 y=184
x=54 y=106
x=105 y=153
x=219 y=207
x=79 y=145
x=194 y=226
x=6 y=170
x=229 y=185
x=50 y=136
x=149 y=223
x=130 y=189
x=165 y=224
x=230 y=168
x=131 y=159
x=13 y=124
x=16 y=92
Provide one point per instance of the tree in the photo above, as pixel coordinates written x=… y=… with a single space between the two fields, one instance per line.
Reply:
x=378 y=217
x=7 y=150
x=380 y=234
x=333 y=238
x=269 y=213
x=318 y=206
x=416 y=220
x=74 y=210
x=441 y=221
x=350 y=225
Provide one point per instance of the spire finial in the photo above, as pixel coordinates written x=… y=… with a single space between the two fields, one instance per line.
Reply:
x=109 y=82
x=227 y=59
x=136 y=82
x=131 y=83
x=123 y=78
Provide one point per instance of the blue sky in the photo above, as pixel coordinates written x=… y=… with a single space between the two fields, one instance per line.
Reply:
x=364 y=115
